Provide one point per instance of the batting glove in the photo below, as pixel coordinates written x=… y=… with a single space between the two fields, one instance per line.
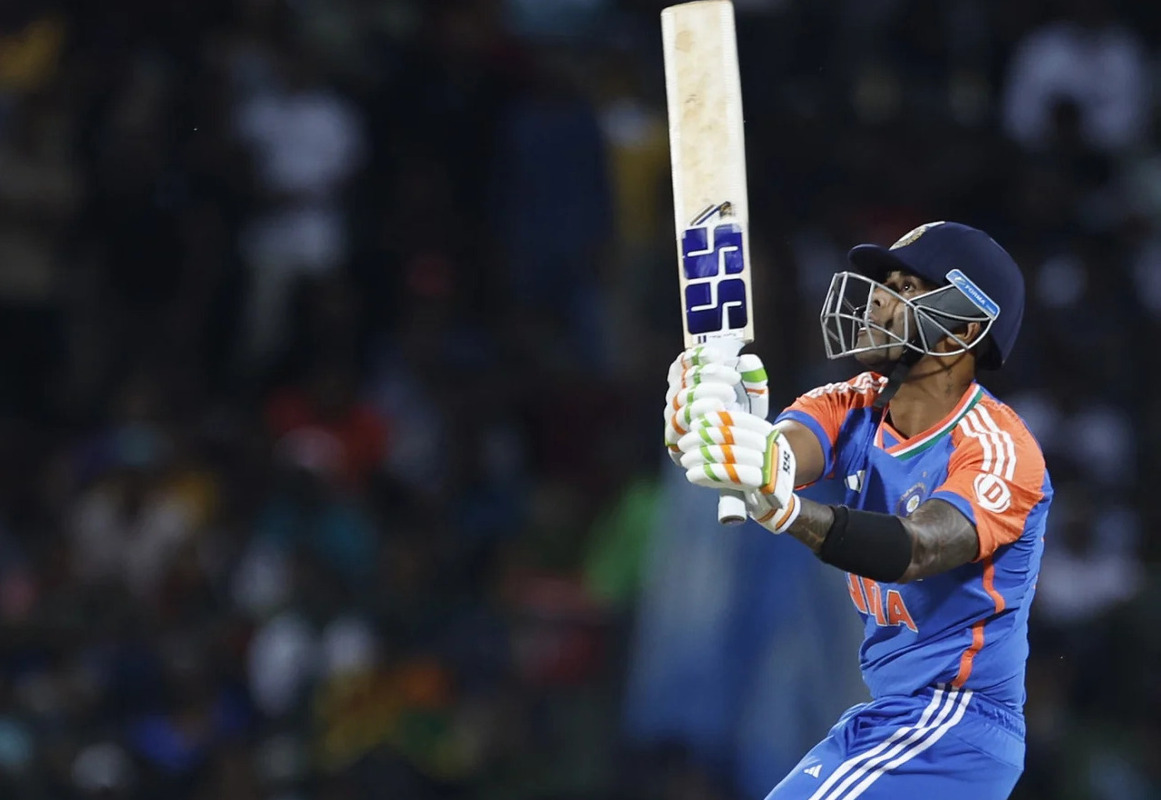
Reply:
x=738 y=450
x=705 y=378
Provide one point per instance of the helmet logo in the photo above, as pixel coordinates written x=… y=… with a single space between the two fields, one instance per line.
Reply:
x=974 y=293
x=911 y=236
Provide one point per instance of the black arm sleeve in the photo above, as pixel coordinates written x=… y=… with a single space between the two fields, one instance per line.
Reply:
x=875 y=546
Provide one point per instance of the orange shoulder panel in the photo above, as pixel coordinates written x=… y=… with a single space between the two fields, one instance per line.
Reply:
x=829 y=405
x=998 y=468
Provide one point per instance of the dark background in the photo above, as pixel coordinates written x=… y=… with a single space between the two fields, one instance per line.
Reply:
x=334 y=346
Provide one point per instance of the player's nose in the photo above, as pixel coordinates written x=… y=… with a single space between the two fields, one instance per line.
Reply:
x=880 y=296
x=881 y=302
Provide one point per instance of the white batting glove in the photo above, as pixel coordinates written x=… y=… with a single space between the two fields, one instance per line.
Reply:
x=738 y=450
x=705 y=378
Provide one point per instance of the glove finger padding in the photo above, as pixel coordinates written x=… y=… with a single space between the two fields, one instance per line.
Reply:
x=771 y=456
x=732 y=418
x=755 y=393
x=723 y=454
x=723 y=476
x=705 y=364
x=679 y=398
x=705 y=373
x=738 y=437
x=699 y=355
x=740 y=451
x=678 y=423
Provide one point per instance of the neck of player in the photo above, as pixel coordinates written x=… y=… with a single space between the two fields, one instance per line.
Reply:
x=932 y=390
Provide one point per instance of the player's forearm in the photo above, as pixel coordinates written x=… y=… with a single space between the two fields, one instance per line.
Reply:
x=936 y=538
x=942 y=538
x=813 y=524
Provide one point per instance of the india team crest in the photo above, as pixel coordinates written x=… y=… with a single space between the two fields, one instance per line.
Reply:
x=911 y=500
x=911 y=236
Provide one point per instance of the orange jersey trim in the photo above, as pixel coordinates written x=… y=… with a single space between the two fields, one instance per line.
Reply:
x=969 y=655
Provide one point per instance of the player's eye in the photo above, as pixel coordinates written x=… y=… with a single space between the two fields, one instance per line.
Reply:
x=907 y=288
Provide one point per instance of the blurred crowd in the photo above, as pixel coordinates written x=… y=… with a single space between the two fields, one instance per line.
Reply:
x=335 y=335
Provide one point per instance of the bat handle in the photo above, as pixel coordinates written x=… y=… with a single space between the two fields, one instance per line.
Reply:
x=732 y=508
x=731 y=504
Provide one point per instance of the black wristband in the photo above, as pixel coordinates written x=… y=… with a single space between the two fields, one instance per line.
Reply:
x=875 y=546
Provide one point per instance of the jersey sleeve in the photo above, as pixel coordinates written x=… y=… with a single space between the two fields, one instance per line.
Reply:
x=825 y=409
x=995 y=475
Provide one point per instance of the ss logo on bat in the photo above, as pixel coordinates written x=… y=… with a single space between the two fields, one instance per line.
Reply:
x=708 y=257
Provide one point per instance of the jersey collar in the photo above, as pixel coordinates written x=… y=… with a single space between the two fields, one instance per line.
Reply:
x=908 y=448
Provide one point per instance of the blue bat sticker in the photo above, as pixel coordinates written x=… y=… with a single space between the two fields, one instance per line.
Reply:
x=703 y=315
x=707 y=256
x=700 y=259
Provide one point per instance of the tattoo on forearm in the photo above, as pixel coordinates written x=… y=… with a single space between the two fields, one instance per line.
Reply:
x=942 y=539
x=813 y=523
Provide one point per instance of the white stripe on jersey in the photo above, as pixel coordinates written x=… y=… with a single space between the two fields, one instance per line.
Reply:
x=1006 y=438
x=999 y=457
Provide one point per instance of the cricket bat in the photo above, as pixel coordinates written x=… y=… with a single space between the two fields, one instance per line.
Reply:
x=708 y=158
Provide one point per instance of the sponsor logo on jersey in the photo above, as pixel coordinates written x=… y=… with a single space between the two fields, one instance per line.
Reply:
x=992 y=493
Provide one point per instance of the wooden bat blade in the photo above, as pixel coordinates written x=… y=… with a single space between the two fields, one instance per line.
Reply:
x=708 y=160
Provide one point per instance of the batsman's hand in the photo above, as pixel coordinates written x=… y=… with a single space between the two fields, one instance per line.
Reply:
x=705 y=378
x=738 y=450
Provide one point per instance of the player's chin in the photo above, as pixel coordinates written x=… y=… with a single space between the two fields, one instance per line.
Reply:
x=876 y=360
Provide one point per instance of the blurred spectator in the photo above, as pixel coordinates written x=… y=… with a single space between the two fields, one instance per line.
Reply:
x=310 y=515
x=551 y=212
x=1101 y=557
x=39 y=193
x=1088 y=58
x=323 y=427
x=131 y=524
x=306 y=141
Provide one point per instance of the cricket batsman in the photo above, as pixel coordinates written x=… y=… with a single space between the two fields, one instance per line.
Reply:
x=942 y=527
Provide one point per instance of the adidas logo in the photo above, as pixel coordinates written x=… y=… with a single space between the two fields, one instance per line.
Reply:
x=813 y=771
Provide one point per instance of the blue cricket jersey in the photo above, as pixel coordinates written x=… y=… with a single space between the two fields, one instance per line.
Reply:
x=967 y=627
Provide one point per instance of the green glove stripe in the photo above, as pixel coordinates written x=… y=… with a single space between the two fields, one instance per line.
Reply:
x=707 y=455
x=754 y=375
x=705 y=435
x=710 y=473
x=768 y=462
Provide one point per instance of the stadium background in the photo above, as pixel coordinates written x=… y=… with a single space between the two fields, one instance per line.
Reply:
x=334 y=339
